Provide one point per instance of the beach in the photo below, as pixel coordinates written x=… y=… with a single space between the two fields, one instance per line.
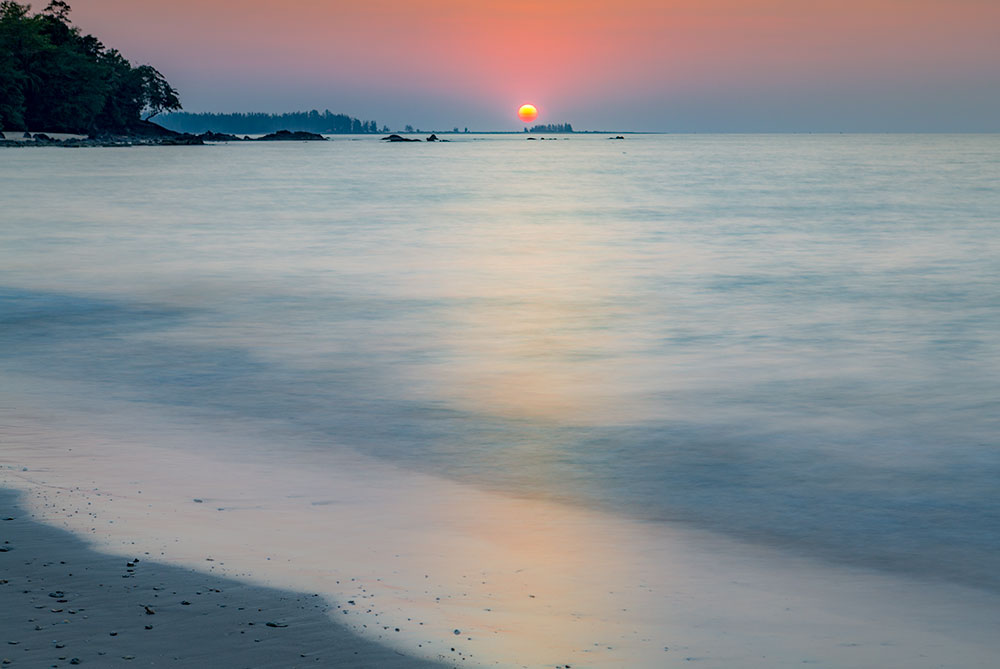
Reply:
x=62 y=603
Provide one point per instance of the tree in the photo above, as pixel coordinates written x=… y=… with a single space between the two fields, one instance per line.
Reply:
x=21 y=45
x=123 y=104
x=11 y=97
x=12 y=76
x=72 y=91
x=158 y=96
x=58 y=10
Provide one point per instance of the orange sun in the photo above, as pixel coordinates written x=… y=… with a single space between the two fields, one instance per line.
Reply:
x=527 y=113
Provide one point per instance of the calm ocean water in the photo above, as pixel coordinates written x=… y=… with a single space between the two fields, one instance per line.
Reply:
x=794 y=340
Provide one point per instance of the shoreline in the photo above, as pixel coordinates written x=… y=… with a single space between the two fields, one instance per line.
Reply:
x=61 y=600
x=161 y=137
x=528 y=583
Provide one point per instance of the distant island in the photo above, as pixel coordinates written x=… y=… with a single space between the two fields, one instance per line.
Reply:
x=326 y=123
x=56 y=79
x=552 y=127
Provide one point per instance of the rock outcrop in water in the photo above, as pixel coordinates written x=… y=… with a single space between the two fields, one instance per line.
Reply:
x=210 y=136
x=398 y=138
x=289 y=136
x=181 y=140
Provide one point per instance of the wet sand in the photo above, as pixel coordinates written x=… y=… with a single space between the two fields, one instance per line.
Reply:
x=63 y=604
x=468 y=577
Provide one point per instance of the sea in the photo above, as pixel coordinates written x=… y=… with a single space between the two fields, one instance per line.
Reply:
x=785 y=347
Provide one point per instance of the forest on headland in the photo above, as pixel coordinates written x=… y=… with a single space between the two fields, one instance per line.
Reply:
x=55 y=78
x=325 y=122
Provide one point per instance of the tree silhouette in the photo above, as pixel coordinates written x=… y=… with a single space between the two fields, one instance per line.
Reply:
x=158 y=96
x=58 y=10
x=256 y=123
x=553 y=127
x=54 y=78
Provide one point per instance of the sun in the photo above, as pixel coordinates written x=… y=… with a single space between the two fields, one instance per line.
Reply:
x=527 y=113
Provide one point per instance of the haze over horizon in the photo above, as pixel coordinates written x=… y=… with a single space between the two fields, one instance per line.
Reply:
x=654 y=65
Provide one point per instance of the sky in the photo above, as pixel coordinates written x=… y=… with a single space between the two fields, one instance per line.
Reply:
x=653 y=65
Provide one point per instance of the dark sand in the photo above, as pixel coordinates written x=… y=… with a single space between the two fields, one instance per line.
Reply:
x=63 y=603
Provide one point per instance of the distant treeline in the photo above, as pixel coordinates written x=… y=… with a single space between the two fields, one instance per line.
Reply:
x=54 y=78
x=260 y=123
x=553 y=127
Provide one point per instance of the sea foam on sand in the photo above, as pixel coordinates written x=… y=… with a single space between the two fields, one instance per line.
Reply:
x=502 y=581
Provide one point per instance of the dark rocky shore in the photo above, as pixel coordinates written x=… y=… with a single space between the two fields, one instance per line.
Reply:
x=62 y=604
x=151 y=134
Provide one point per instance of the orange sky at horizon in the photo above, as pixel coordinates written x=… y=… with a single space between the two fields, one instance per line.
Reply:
x=579 y=60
